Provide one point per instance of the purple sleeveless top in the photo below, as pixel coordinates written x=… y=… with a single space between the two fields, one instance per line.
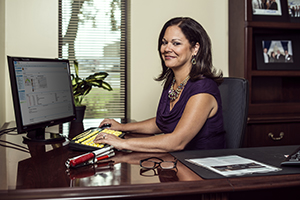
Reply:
x=212 y=134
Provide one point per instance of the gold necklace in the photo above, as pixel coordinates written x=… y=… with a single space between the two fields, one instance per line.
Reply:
x=173 y=94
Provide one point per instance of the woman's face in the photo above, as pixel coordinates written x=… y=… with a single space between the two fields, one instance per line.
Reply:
x=176 y=50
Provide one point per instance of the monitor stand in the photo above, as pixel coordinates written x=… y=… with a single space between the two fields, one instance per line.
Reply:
x=38 y=135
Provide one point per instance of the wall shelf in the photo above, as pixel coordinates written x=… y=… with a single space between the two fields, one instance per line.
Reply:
x=274 y=95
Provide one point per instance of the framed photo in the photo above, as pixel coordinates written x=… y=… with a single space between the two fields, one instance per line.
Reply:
x=277 y=52
x=269 y=10
x=294 y=10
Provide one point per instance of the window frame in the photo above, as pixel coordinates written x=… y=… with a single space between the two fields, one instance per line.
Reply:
x=124 y=40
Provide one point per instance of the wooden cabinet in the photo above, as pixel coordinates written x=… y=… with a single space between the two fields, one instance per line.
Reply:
x=273 y=134
x=274 y=104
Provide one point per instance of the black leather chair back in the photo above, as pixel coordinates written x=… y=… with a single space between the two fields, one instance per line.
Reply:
x=235 y=101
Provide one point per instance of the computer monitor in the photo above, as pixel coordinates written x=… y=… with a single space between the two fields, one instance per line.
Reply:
x=42 y=94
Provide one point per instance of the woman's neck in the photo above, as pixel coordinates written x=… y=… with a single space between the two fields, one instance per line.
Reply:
x=180 y=75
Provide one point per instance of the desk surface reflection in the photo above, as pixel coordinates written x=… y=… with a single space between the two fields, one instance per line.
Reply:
x=44 y=167
x=39 y=172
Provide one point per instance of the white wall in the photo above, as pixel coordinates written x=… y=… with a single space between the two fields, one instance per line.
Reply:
x=31 y=29
x=147 y=19
x=3 y=179
x=2 y=62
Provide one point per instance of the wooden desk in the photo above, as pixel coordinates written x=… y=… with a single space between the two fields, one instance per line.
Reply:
x=41 y=174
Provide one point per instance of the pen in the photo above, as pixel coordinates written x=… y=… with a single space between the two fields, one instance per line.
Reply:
x=102 y=157
x=94 y=160
x=72 y=162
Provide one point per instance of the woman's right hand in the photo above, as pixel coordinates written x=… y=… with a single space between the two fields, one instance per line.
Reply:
x=114 y=125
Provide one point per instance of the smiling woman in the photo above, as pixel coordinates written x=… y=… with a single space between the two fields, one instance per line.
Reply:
x=190 y=110
x=177 y=53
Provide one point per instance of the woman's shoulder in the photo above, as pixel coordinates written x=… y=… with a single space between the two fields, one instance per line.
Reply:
x=204 y=83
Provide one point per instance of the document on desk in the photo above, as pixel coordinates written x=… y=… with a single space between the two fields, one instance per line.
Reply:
x=233 y=165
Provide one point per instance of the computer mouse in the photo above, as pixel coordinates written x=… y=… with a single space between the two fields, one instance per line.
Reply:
x=105 y=126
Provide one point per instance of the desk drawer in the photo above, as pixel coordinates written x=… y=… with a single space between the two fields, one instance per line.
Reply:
x=273 y=134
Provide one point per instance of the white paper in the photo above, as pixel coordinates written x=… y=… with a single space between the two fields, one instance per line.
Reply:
x=233 y=165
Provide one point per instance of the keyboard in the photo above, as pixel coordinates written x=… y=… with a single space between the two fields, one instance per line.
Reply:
x=85 y=140
x=293 y=159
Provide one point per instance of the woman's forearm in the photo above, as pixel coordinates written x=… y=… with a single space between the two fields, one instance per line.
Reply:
x=158 y=143
x=146 y=127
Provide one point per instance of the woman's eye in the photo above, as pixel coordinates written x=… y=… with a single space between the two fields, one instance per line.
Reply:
x=173 y=43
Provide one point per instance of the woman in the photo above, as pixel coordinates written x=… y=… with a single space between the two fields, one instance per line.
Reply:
x=272 y=58
x=190 y=111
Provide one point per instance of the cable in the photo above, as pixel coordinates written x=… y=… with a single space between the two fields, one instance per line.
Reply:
x=15 y=146
x=7 y=131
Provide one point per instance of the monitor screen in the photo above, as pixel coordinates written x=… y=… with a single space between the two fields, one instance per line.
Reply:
x=42 y=94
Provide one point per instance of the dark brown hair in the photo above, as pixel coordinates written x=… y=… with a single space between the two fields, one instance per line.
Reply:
x=194 y=33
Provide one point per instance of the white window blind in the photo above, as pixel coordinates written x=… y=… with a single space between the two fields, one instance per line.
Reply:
x=93 y=32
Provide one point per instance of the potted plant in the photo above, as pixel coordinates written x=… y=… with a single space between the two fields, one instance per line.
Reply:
x=81 y=87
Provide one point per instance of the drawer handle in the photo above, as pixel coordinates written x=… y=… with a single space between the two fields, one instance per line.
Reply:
x=276 y=138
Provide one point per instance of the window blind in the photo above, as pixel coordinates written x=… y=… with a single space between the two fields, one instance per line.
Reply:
x=93 y=32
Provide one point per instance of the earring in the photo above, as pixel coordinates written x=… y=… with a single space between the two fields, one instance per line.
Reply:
x=193 y=61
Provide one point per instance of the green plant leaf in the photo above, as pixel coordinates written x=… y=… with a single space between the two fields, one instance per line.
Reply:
x=106 y=86
x=81 y=87
x=76 y=68
x=98 y=76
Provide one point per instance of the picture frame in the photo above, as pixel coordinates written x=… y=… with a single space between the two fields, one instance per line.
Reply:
x=277 y=52
x=270 y=10
x=294 y=10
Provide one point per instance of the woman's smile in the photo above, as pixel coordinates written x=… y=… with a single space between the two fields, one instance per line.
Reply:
x=168 y=57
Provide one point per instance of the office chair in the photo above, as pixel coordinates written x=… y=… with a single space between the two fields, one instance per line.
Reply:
x=234 y=94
